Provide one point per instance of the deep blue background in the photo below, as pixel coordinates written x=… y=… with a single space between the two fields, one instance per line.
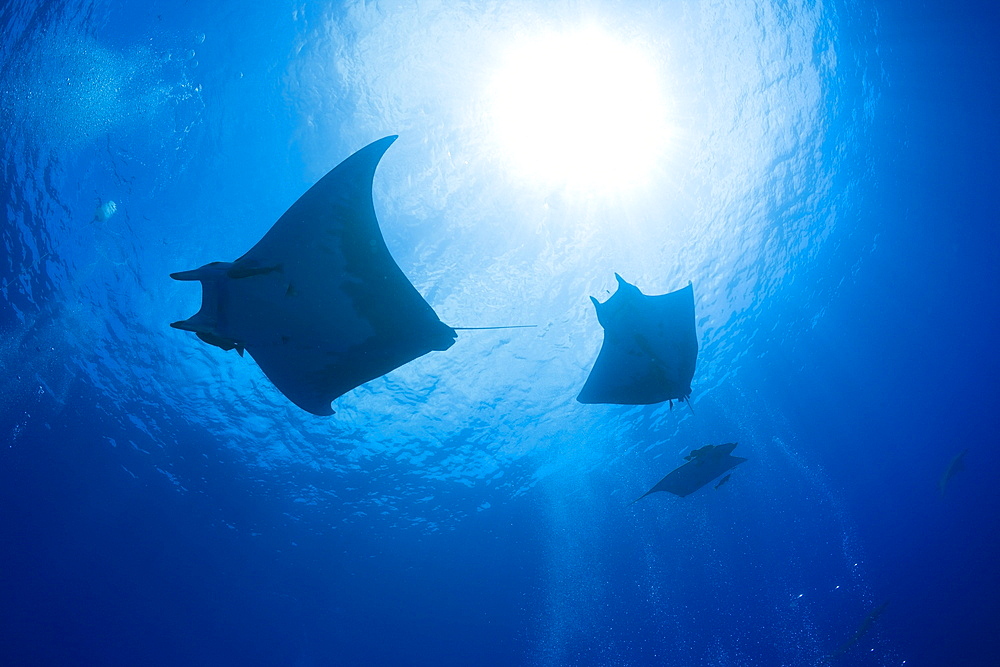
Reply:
x=98 y=566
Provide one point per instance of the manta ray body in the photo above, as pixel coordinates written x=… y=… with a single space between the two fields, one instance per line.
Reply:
x=318 y=302
x=649 y=351
x=703 y=465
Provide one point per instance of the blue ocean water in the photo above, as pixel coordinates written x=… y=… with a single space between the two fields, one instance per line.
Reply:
x=829 y=186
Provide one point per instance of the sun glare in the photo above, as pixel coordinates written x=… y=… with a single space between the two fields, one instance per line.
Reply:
x=581 y=110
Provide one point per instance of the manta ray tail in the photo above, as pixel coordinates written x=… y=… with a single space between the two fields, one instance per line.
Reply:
x=512 y=326
x=639 y=498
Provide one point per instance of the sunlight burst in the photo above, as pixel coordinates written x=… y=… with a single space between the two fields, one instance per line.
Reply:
x=581 y=110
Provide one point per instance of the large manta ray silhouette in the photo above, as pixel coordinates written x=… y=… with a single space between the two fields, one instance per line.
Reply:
x=319 y=303
x=650 y=348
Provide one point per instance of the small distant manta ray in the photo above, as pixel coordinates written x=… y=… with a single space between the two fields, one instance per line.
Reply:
x=862 y=630
x=957 y=465
x=318 y=302
x=703 y=465
x=723 y=480
x=650 y=348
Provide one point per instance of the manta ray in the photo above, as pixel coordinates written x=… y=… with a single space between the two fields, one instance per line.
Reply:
x=703 y=465
x=318 y=302
x=956 y=465
x=649 y=351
